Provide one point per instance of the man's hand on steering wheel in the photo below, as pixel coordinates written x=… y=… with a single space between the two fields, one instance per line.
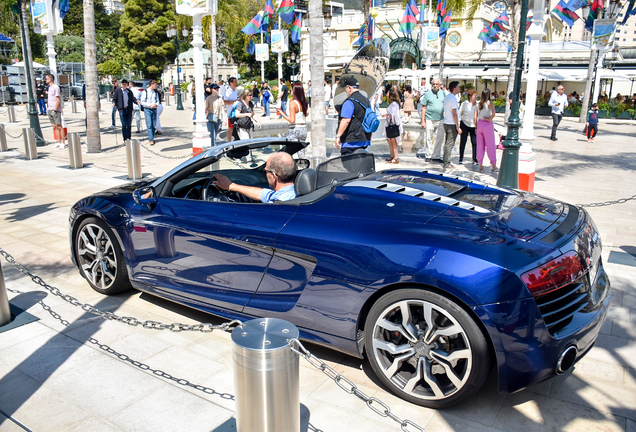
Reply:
x=221 y=181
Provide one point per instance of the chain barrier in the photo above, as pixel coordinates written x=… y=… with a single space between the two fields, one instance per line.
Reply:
x=345 y=384
x=11 y=136
x=4 y=112
x=175 y=327
x=164 y=156
x=608 y=203
x=112 y=150
x=125 y=358
x=20 y=110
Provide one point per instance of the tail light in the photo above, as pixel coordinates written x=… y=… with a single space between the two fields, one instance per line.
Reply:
x=550 y=276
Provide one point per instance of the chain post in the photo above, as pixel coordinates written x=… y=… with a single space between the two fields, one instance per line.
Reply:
x=75 y=150
x=30 y=144
x=5 y=312
x=133 y=159
x=11 y=114
x=266 y=376
x=3 y=139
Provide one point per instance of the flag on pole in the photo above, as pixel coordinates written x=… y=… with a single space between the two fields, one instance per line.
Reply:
x=441 y=11
x=286 y=11
x=575 y=5
x=268 y=16
x=564 y=14
x=360 y=41
x=631 y=10
x=446 y=23
x=595 y=11
x=493 y=30
x=502 y=21
x=409 y=20
x=254 y=26
x=251 y=47
x=65 y=6
x=371 y=26
x=295 y=29
x=486 y=37
x=423 y=11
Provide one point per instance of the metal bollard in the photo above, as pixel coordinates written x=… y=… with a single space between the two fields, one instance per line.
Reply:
x=11 y=114
x=266 y=376
x=75 y=150
x=73 y=105
x=3 y=139
x=30 y=148
x=133 y=159
x=5 y=312
x=166 y=97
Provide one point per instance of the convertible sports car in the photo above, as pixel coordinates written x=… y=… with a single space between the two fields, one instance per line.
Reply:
x=434 y=278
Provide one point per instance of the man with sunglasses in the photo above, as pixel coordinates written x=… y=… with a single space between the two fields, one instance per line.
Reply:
x=280 y=170
x=432 y=122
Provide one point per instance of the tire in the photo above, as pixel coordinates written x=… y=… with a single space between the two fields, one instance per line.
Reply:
x=99 y=257
x=437 y=358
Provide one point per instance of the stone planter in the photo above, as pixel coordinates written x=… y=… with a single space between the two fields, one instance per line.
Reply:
x=624 y=115
x=543 y=111
x=603 y=114
x=500 y=109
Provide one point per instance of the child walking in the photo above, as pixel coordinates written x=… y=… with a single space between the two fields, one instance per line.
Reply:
x=591 y=124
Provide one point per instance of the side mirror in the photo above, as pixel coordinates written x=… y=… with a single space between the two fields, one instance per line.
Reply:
x=145 y=196
x=302 y=164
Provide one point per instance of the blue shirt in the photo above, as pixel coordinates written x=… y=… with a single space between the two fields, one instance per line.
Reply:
x=284 y=194
x=347 y=112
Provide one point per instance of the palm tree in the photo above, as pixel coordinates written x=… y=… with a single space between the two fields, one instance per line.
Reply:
x=93 y=139
x=213 y=55
x=317 y=60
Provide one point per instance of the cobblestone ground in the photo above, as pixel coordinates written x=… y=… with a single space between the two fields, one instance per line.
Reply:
x=59 y=376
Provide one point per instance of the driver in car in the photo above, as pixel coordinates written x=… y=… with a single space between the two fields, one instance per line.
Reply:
x=280 y=170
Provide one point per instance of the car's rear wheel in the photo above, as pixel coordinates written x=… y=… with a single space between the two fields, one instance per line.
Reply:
x=100 y=258
x=425 y=348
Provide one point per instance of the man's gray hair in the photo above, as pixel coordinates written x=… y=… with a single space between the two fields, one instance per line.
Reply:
x=284 y=167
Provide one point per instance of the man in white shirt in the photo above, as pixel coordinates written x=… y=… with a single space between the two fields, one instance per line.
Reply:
x=229 y=98
x=150 y=102
x=420 y=94
x=558 y=102
x=451 y=121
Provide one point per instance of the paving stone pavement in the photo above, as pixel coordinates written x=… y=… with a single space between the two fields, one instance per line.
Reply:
x=54 y=377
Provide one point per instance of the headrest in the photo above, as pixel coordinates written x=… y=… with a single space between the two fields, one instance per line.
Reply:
x=305 y=181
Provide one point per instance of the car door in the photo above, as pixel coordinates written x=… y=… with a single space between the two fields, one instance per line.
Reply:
x=205 y=252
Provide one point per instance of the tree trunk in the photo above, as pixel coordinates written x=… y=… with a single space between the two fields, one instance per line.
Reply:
x=93 y=139
x=515 y=19
x=587 y=97
x=213 y=52
x=317 y=62
x=365 y=17
x=27 y=44
x=442 y=48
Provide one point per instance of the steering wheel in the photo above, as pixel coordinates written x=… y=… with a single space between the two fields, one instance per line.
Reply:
x=212 y=192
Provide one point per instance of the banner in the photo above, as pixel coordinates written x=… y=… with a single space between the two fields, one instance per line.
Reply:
x=604 y=30
x=280 y=41
x=197 y=7
x=46 y=17
x=262 y=52
x=430 y=39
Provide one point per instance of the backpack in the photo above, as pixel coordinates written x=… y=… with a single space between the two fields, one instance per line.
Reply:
x=370 y=122
x=232 y=117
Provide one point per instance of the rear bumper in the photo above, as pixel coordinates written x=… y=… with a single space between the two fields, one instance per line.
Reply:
x=527 y=353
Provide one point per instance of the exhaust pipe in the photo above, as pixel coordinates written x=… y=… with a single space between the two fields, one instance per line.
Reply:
x=566 y=359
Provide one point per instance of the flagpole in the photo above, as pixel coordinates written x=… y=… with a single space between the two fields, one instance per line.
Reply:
x=280 y=56
x=262 y=65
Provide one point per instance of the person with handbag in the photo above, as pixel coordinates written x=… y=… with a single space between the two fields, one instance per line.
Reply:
x=393 y=126
x=213 y=111
x=297 y=117
x=245 y=117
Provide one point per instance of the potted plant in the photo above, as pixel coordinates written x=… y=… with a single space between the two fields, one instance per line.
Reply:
x=542 y=107
x=603 y=109
x=500 y=105
x=621 y=112
x=574 y=110
x=631 y=112
x=385 y=102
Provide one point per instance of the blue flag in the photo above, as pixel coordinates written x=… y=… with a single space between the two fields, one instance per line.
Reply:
x=64 y=8
x=575 y=5
x=251 y=47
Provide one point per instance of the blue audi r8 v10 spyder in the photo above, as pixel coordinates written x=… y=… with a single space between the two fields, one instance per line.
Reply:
x=434 y=278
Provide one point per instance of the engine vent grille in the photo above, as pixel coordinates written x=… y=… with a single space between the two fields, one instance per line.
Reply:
x=406 y=190
x=559 y=307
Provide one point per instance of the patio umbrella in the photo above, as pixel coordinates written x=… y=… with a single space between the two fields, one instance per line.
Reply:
x=34 y=64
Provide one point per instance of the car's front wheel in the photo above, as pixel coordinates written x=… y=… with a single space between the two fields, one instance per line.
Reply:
x=100 y=258
x=425 y=348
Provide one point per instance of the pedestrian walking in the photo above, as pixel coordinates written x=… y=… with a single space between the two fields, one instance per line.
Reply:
x=229 y=98
x=351 y=136
x=558 y=102
x=112 y=98
x=137 y=91
x=409 y=103
x=451 y=121
x=245 y=116
x=158 y=129
x=124 y=100
x=267 y=98
x=150 y=101
x=591 y=124
x=484 y=115
x=214 y=112
x=393 y=126
x=420 y=96
x=467 y=124
x=40 y=90
x=54 y=111
x=284 y=92
x=432 y=116
x=297 y=116
x=327 y=97
x=255 y=95
x=308 y=94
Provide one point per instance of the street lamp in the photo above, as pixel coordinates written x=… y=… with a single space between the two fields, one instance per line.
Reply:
x=291 y=62
x=171 y=32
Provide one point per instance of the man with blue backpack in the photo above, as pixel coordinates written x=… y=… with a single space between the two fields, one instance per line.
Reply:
x=357 y=120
